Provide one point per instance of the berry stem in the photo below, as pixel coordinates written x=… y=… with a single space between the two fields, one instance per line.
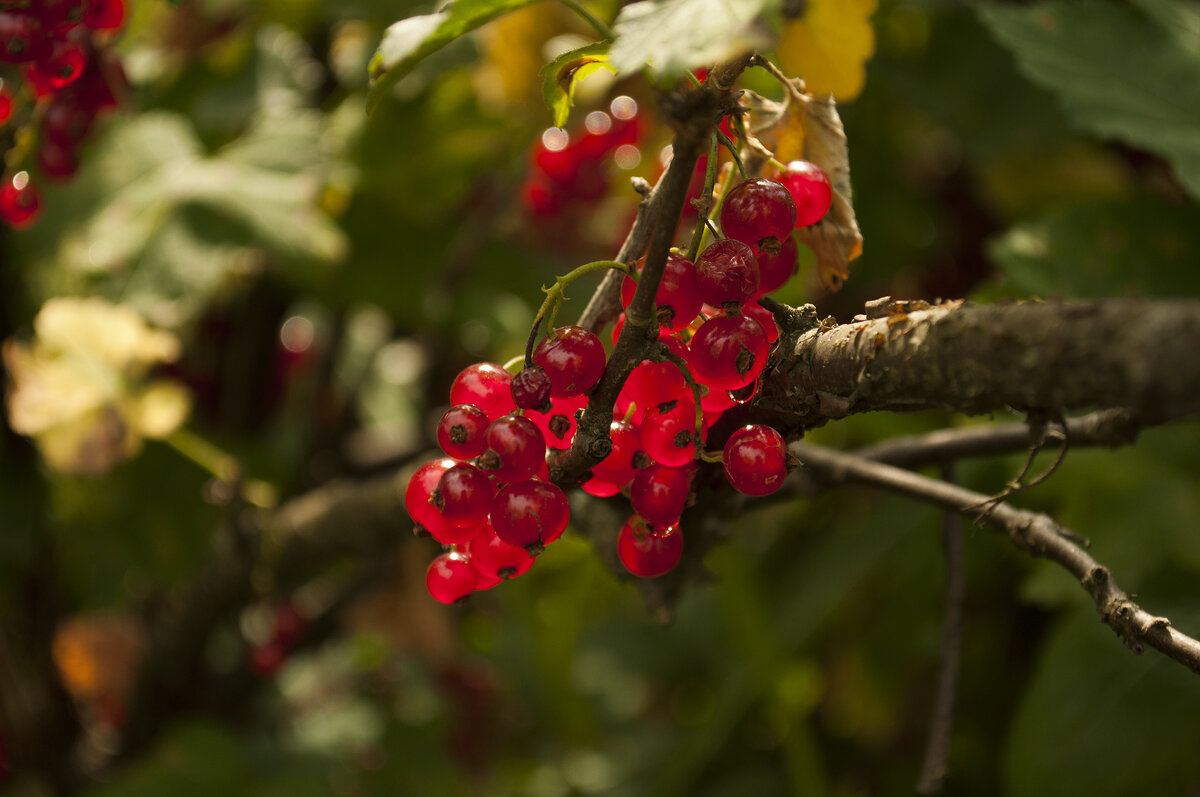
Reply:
x=223 y=466
x=704 y=204
x=556 y=295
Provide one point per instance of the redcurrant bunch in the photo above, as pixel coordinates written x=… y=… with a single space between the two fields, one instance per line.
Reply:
x=69 y=74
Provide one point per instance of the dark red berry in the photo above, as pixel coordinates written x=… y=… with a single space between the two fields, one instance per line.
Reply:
x=66 y=121
x=56 y=161
x=531 y=388
x=460 y=431
x=764 y=318
x=727 y=271
x=530 y=514
x=486 y=385
x=728 y=351
x=645 y=554
x=464 y=495
x=63 y=64
x=810 y=189
x=755 y=460
x=21 y=36
x=574 y=360
x=514 y=449
x=774 y=270
x=659 y=493
x=20 y=202
x=495 y=558
x=60 y=16
x=677 y=299
x=759 y=213
x=668 y=432
x=265 y=660
x=451 y=578
x=105 y=14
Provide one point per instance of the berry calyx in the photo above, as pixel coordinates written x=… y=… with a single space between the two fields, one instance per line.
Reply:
x=460 y=431
x=727 y=271
x=574 y=360
x=810 y=189
x=645 y=554
x=530 y=514
x=531 y=388
x=451 y=578
x=755 y=460
x=759 y=213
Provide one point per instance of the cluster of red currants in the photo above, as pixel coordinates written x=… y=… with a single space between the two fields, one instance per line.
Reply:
x=574 y=170
x=68 y=75
x=490 y=500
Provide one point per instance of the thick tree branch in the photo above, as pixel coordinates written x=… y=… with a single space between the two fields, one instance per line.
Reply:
x=1034 y=533
x=1030 y=356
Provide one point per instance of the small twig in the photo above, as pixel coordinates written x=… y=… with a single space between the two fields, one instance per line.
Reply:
x=937 y=749
x=1032 y=532
x=1047 y=431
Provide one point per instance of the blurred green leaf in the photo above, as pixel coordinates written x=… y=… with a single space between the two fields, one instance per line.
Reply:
x=1117 y=72
x=559 y=76
x=674 y=36
x=408 y=41
x=1136 y=246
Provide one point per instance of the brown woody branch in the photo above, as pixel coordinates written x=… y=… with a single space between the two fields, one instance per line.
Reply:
x=1034 y=533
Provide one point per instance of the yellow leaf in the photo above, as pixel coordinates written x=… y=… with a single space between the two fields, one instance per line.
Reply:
x=829 y=45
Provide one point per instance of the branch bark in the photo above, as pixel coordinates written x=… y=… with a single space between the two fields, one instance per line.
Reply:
x=1034 y=533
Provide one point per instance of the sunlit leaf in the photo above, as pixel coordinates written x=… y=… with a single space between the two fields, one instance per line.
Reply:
x=560 y=76
x=828 y=46
x=675 y=36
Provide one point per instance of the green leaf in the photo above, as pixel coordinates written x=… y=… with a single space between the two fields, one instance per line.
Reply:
x=408 y=41
x=677 y=35
x=560 y=75
x=1118 y=73
x=1140 y=246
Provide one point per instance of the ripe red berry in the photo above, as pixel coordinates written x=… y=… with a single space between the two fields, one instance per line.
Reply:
x=531 y=388
x=464 y=495
x=668 y=432
x=105 y=14
x=677 y=298
x=764 y=318
x=645 y=554
x=20 y=202
x=60 y=16
x=759 y=213
x=810 y=189
x=729 y=351
x=451 y=578
x=67 y=121
x=727 y=271
x=494 y=557
x=56 y=161
x=6 y=103
x=653 y=383
x=486 y=385
x=530 y=514
x=514 y=449
x=774 y=270
x=62 y=64
x=659 y=493
x=21 y=36
x=558 y=422
x=460 y=431
x=573 y=359
x=419 y=491
x=755 y=460
x=618 y=467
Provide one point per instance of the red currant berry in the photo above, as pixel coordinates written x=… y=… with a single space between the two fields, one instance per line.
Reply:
x=464 y=495
x=677 y=298
x=714 y=400
x=668 y=432
x=755 y=460
x=573 y=359
x=6 y=103
x=514 y=449
x=775 y=270
x=531 y=388
x=63 y=63
x=60 y=16
x=558 y=422
x=451 y=578
x=727 y=271
x=810 y=189
x=20 y=202
x=105 y=14
x=66 y=122
x=419 y=491
x=495 y=558
x=764 y=318
x=56 y=161
x=487 y=386
x=729 y=350
x=530 y=514
x=653 y=383
x=659 y=493
x=618 y=467
x=21 y=36
x=759 y=213
x=460 y=431
x=645 y=554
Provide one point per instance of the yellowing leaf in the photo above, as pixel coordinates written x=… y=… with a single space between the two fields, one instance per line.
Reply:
x=829 y=45
x=560 y=76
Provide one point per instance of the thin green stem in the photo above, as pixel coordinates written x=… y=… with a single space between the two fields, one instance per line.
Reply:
x=555 y=296
x=682 y=365
x=704 y=205
x=223 y=466
x=601 y=28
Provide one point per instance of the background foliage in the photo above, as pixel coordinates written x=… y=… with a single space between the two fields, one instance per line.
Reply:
x=997 y=151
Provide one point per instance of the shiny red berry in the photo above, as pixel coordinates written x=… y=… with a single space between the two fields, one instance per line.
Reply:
x=755 y=460
x=659 y=493
x=493 y=557
x=451 y=578
x=464 y=495
x=574 y=360
x=728 y=351
x=668 y=432
x=20 y=203
x=810 y=189
x=487 y=386
x=514 y=449
x=759 y=213
x=460 y=431
x=558 y=422
x=618 y=467
x=646 y=554
x=727 y=271
x=677 y=298
x=774 y=270
x=530 y=514
x=419 y=491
